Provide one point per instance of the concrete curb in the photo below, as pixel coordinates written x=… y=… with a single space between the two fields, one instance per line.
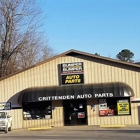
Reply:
x=112 y=126
x=39 y=128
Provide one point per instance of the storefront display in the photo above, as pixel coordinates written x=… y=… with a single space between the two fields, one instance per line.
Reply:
x=123 y=107
x=114 y=106
x=102 y=107
x=81 y=114
x=37 y=111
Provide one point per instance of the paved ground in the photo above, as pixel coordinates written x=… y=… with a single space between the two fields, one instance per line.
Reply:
x=75 y=133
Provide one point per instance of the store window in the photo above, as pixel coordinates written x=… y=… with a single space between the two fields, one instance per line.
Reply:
x=37 y=110
x=114 y=106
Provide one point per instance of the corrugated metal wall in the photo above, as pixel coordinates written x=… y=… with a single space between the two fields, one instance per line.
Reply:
x=47 y=75
x=17 y=118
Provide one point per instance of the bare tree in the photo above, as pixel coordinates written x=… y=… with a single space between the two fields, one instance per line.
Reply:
x=21 y=41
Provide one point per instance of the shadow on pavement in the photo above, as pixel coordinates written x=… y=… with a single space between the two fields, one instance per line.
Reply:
x=114 y=131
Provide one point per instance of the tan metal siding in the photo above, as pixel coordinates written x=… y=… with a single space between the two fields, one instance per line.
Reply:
x=47 y=75
x=2 y=92
x=17 y=118
x=95 y=71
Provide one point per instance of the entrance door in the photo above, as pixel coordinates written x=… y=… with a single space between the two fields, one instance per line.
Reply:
x=75 y=112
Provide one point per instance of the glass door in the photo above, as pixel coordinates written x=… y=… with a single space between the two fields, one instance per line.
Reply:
x=75 y=112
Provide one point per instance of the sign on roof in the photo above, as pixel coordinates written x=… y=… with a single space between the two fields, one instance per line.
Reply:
x=5 y=106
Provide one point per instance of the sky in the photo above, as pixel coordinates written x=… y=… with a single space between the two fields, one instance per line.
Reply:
x=94 y=26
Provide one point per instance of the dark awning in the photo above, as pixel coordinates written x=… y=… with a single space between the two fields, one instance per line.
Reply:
x=83 y=91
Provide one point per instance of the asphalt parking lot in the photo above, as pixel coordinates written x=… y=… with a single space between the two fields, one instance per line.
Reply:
x=74 y=133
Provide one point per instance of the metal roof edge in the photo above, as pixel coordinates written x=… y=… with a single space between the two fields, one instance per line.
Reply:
x=78 y=52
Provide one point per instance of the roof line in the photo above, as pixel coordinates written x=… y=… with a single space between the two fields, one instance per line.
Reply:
x=74 y=51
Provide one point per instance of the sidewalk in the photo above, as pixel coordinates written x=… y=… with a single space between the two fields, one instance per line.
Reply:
x=97 y=127
x=86 y=127
x=132 y=126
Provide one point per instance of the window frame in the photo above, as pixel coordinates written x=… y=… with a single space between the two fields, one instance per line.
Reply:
x=108 y=104
x=30 y=107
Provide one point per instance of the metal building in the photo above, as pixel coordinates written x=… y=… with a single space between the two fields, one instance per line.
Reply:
x=74 y=88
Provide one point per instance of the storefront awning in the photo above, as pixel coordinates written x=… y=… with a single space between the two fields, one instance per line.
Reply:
x=82 y=91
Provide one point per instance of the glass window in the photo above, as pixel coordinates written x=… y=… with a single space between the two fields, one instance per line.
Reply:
x=2 y=115
x=37 y=110
x=114 y=106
